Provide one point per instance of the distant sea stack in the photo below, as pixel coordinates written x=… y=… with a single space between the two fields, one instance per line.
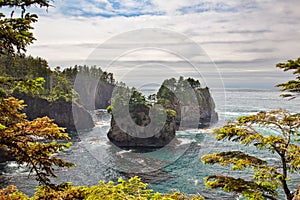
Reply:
x=185 y=104
x=72 y=118
x=194 y=105
x=206 y=107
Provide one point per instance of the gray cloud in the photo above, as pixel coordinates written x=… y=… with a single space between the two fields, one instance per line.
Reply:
x=243 y=44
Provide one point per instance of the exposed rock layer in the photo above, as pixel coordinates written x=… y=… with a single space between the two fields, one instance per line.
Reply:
x=72 y=117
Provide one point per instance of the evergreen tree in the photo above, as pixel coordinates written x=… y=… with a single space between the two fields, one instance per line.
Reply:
x=292 y=86
x=251 y=130
x=31 y=142
x=15 y=31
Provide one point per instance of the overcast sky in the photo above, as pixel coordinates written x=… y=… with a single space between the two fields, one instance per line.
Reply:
x=244 y=39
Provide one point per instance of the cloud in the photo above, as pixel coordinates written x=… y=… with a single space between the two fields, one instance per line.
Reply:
x=243 y=38
x=108 y=8
x=208 y=7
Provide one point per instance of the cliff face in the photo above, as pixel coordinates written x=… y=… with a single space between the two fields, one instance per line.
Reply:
x=195 y=107
x=4 y=155
x=94 y=93
x=72 y=118
x=206 y=107
x=103 y=95
x=140 y=115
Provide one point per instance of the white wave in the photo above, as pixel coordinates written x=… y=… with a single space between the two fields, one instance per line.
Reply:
x=204 y=130
x=183 y=133
x=12 y=164
x=123 y=152
x=185 y=141
x=273 y=159
x=227 y=113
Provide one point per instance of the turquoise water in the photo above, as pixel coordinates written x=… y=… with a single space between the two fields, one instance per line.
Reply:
x=176 y=167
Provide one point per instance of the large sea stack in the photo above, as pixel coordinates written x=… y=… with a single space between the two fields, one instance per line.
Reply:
x=184 y=103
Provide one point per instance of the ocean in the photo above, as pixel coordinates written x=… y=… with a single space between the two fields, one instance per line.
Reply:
x=172 y=168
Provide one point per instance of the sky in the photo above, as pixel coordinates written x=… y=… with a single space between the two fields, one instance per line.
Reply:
x=225 y=43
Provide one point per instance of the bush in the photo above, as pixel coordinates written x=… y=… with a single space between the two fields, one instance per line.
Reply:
x=132 y=189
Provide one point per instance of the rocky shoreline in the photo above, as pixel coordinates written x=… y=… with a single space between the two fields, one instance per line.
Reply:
x=72 y=116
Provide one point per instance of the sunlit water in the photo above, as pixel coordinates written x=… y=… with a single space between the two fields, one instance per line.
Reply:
x=181 y=168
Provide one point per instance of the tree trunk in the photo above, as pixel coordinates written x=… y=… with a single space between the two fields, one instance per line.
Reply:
x=287 y=192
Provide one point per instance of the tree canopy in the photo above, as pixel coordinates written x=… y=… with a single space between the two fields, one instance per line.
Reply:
x=267 y=177
x=132 y=189
x=276 y=131
x=292 y=86
x=33 y=143
x=15 y=30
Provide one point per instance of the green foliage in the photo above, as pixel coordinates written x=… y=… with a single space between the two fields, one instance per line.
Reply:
x=62 y=90
x=267 y=177
x=132 y=189
x=171 y=113
x=32 y=86
x=172 y=91
x=137 y=98
x=15 y=32
x=31 y=142
x=292 y=86
x=249 y=189
x=24 y=69
x=138 y=104
x=93 y=72
x=109 y=109
x=194 y=83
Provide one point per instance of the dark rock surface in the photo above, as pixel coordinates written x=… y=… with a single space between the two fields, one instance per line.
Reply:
x=4 y=155
x=164 y=135
x=194 y=109
x=73 y=117
x=94 y=93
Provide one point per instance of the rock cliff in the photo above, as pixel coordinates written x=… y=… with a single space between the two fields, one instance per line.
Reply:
x=206 y=107
x=194 y=105
x=94 y=93
x=72 y=117
x=138 y=136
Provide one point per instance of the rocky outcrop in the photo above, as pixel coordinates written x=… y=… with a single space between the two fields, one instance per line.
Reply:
x=187 y=105
x=128 y=139
x=206 y=106
x=103 y=95
x=72 y=117
x=4 y=155
x=194 y=106
x=94 y=93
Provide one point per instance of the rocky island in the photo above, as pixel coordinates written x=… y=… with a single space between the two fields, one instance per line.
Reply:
x=152 y=122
